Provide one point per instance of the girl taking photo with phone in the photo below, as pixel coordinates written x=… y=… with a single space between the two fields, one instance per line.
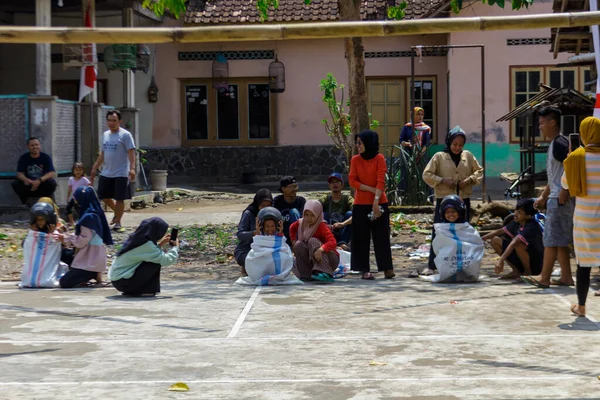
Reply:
x=136 y=269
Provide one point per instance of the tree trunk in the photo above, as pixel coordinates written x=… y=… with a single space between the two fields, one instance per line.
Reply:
x=357 y=87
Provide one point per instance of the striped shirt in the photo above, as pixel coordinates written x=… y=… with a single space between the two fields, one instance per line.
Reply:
x=586 y=235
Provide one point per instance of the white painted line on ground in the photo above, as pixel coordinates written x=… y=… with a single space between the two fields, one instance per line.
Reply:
x=245 y=311
x=519 y=378
x=523 y=336
x=565 y=301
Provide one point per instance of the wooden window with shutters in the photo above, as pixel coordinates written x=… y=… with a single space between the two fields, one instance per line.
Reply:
x=241 y=115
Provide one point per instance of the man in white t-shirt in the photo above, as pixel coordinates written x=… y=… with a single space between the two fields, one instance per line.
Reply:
x=117 y=158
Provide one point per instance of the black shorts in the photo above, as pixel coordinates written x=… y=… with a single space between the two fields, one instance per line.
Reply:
x=114 y=188
x=535 y=262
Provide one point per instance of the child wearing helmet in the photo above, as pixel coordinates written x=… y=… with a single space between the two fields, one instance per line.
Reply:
x=270 y=222
x=519 y=243
x=42 y=218
x=270 y=260
x=453 y=209
x=457 y=246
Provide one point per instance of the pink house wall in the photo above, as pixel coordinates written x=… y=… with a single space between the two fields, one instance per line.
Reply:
x=465 y=73
x=299 y=109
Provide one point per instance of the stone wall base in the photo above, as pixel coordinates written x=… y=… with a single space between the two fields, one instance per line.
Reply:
x=244 y=164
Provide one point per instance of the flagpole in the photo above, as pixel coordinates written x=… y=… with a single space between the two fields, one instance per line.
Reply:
x=596 y=40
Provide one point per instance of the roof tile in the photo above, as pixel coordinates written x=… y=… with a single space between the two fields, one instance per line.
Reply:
x=244 y=11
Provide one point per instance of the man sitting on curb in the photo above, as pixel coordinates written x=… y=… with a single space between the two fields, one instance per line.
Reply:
x=35 y=174
x=337 y=211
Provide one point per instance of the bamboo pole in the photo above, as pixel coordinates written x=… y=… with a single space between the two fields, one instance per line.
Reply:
x=293 y=31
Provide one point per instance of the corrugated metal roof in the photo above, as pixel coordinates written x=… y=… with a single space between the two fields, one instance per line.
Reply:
x=564 y=98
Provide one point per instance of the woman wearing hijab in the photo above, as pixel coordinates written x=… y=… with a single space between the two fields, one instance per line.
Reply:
x=581 y=179
x=314 y=245
x=136 y=269
x=452 y=171
x=248 y=226
x=367 y=177
x=92 y=233
x=416 y=133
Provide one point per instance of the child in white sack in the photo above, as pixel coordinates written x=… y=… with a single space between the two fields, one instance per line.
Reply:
x=457 y=245
x=270 y=260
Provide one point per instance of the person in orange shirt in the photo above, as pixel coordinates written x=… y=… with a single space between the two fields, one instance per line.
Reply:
x=370 y=215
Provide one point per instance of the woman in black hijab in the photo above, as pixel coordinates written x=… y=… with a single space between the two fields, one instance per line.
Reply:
x=451 y=171
x=247 y=228
x=136 y=269
x=370 y=215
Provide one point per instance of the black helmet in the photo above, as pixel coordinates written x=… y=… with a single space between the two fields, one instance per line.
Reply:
x=269 y=213
x=45 y=211
x=455 y=202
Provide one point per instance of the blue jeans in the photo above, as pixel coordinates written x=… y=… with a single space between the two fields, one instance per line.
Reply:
x=344 y=235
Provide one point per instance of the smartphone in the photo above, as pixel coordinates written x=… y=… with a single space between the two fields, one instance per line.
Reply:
x=574 y=141
x=174 y=233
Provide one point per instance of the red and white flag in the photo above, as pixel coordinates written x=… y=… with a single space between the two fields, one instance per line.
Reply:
x=596 y=40
x=87 y=81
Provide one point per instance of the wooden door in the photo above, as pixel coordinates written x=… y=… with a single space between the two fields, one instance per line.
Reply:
x=387 y=105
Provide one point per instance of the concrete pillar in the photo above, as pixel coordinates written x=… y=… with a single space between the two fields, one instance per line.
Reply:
x=43 y=17
x=128 y=75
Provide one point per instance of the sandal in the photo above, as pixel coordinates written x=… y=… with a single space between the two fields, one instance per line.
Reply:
x=427 y=272
x=389 y=274
x=574 y=310
x=532 y=282
x=322 y=277
x=558 y=282
x=414 y=273
x=368 y=276
x=597 y=293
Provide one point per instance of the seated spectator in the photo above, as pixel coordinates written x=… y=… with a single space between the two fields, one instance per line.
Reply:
x=289 y=203
x=314 y=245
x=270 y=261
x=35 y=174
x=136 y=269
x=92 y=233
x=337 y=211
x=248 y=228
x=521 y=245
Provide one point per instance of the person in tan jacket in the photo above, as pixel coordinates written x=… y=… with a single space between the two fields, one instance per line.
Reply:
x=452 y=171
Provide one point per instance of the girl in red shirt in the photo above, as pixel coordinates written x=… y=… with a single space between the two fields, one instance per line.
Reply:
x=314 y=245
x=367 y=176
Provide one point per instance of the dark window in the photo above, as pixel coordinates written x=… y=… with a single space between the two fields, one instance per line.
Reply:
x=228 y=113
x=555 y=79
x=259 y=115
x=569 y=79
x=196 y=113
x=534 y=81
x=521 y=81
x=424 y=99
x=587 y=76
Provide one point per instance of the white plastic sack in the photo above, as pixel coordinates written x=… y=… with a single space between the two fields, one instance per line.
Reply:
x=270 y=262
x=41 y=261
x=459 y=250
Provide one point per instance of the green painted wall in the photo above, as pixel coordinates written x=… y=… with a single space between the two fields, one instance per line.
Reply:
x=500 y=157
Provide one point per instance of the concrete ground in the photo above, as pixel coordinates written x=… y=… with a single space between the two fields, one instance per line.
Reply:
x=385 y=339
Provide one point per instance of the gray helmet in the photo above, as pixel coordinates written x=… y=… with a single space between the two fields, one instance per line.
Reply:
x=269 y=213
x=43 y=210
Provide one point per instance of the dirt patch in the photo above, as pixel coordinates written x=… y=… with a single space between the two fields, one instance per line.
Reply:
x=207 y=250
